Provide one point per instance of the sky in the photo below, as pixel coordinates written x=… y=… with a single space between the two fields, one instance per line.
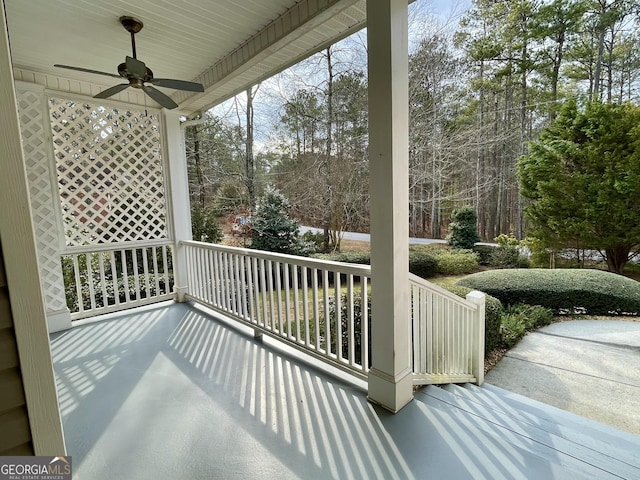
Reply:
x=425 y=16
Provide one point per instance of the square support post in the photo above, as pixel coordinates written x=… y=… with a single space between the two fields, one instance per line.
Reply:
x=178 y=183
x=27 y=309
x=479 y=299
x=390 y=378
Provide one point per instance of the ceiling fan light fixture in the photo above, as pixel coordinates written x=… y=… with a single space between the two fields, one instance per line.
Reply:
x=137 y=73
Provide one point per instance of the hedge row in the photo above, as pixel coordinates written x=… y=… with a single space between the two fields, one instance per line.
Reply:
x=424 y=262
x=73 y=301
x=593 y=292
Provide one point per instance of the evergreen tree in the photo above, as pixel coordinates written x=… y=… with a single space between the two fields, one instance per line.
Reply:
x=583 y=177
x=463 y=231
x=273 y=229
x=204 y=224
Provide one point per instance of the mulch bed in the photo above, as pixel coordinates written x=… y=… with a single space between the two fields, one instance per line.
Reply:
x=494 y=357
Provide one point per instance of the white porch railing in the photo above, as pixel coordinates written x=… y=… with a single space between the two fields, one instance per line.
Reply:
x=448 y=334
x=317 y=306
x=101 y=279
x=322 y=308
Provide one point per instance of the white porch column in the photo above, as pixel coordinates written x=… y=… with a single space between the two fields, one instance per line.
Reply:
x=390 y=378
x=21 y=269
x=178 y=197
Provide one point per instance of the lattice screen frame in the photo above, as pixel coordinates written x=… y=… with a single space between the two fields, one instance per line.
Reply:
x=45 y=207
x=163 y=165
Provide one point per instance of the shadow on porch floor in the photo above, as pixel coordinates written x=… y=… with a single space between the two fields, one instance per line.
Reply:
x=168 y=392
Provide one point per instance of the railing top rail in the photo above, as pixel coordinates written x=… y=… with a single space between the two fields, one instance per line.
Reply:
x=110 y=247
x=421 y=282
x=352 y=268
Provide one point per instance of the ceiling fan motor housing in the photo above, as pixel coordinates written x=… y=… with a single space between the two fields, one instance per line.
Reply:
x=124 y=73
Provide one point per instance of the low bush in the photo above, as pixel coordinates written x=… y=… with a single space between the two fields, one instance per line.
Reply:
x=332 y=334
x=563 y=291
x=73 y=302
x=484 y=253
x=513 y=329
x=361 y=258
x=357 y=327
x=520 y=319
x=455 y=262
x=315 y=239
x=507 y=256
x=534 y=316
x=493 y=313
x=421 y=262
x=507 y=253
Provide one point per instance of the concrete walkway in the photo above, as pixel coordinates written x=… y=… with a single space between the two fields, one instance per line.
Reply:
x=587 y=367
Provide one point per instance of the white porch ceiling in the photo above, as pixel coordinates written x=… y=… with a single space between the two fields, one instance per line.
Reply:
x=227 y=45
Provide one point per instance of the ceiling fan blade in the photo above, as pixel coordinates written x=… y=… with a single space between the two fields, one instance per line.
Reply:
x=160 y=97
x=178 y=84
x=87 y=70
x=136 y=67
x=111 y=91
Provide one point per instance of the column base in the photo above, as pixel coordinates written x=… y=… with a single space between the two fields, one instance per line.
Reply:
x=59 y=320
x=390 y=392
x=181 y=293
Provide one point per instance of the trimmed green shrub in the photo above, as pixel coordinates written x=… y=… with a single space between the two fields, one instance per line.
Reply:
x=484 y=253
x=563 y=290
x=357 y=326
x=535 y=315
x=455 y=262
x=422 y=263
x=361 y=258
x=508 y=256
x=463 y=231
x=513 y=329
x=100 y=301
x=344 y=321
x=493 y=312
x=519 y=319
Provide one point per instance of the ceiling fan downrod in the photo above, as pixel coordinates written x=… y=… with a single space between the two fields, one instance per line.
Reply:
x=133 y=26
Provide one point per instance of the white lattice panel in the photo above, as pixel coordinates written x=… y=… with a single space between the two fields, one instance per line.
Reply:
x=110 y=174
x=43 y=202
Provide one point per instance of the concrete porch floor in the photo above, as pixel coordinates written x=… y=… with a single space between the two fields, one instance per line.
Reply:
x=169 y=392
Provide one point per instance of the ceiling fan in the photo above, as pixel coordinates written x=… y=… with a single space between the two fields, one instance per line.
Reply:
x=138 y=74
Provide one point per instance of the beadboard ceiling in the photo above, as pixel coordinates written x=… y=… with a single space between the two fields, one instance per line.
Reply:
x=227 y=45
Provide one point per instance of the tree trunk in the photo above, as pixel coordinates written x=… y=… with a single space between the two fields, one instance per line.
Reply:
x=198 y=166
x=249 y=167
x=598 y=72
x=617 y=257
x=480 y=169
x=555 y=76
x=328 y=200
